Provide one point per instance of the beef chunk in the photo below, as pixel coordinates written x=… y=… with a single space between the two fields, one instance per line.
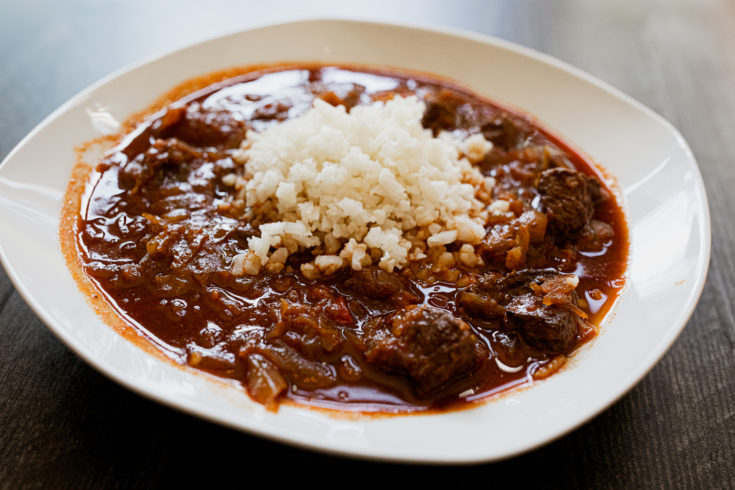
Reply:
x=170 y=152
x=498 y=241
x=202 y=126
x=522 y=282
x=508 y=243
x=308 y=327
x=506 y=133
x=447 y=110
x=509 y=348
x=484 y=299
x=595 y=236
x=551 y=329
x=502 y=289
x=542 y=308
x=376 y=283
x=539 y=305
x=428 y=344
x=440 y=111
x=599 y=194
x=481 y=304
x=487 y=298
x=565 y=194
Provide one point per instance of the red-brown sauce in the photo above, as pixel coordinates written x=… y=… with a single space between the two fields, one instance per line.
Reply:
x=156 y=237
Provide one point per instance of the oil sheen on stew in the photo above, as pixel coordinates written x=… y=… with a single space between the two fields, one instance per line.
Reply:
x=154 y=233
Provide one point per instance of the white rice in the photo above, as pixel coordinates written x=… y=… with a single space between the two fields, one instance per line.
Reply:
x=353 y=188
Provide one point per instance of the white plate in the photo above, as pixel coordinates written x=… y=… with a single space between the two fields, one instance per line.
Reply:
x=662 y=189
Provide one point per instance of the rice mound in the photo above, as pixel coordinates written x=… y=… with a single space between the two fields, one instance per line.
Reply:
x=359 y=187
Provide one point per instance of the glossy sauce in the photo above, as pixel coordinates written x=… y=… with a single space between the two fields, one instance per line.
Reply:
x=198 y=308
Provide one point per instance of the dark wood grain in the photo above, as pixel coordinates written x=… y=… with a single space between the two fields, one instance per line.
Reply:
x=64 y=425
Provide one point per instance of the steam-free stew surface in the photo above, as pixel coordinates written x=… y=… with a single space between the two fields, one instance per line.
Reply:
x=157 y=234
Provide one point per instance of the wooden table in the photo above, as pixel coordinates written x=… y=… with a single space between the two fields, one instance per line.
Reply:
x=64 y=425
